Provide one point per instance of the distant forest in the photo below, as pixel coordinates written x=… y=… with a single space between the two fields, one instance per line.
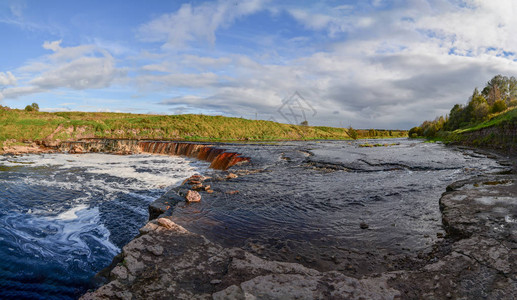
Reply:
x=499 y=94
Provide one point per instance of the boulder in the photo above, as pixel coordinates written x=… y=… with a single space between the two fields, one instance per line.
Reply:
x=193 y=196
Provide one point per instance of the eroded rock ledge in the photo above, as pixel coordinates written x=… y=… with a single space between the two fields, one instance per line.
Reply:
x=168 y=262
x=477 y=260
x=218 y=157
x=480 y=260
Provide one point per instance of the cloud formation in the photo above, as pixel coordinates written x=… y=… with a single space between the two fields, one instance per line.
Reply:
x=79 y=68
x=196 y=23
x=7 y=78
x=396 y=66
x=366 y=64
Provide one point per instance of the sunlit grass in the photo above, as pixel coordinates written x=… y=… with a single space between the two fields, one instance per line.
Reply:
x=21 y=125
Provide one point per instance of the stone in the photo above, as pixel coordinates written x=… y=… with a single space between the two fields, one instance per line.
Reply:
x=198 y=187
x=191 y=267
x=193 y=196
x=231 y=176
x=363 y=225
x=164 y=222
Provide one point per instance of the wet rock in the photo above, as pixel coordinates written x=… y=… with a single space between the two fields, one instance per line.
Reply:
x=231 y=176
x=363 y=225
x=191 y=267
x=193 y=196
x=198 y=187
x=481 y=261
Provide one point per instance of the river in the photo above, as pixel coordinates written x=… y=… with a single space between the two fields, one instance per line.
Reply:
x=329 y=205
x=64 y=217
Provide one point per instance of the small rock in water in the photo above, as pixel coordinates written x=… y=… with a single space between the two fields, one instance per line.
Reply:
x=166 y=223
x=198 y=187
x=232 y=192
x=363 y=225
x=231 y=176
x=193 y=196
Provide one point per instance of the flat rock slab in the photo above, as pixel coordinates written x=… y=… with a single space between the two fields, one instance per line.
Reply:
x=168 y=262
x=479 y=216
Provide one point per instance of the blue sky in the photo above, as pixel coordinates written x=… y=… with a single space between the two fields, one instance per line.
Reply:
x=369 y=64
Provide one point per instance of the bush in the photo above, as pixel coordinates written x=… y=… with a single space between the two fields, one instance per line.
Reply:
x=499 y=106
x=352 y=133
x=32 y=107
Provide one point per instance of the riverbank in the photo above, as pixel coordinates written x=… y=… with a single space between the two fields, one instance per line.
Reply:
x=475 y=256
x=19 y=126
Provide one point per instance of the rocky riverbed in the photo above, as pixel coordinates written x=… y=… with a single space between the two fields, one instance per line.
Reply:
x=259 y=234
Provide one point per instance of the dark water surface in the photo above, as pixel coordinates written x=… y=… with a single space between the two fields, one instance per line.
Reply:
x=64 y=217
x=308 y=202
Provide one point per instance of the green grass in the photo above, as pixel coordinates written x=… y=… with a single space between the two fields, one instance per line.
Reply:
x=21 y=126
x=509 y=115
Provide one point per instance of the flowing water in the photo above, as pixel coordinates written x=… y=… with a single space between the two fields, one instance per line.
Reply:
x=64 y=217
x=309 y=202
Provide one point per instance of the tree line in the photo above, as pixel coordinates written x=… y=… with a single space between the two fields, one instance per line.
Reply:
x=499 y=94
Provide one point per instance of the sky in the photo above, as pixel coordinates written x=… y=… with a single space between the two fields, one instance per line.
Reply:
x=366 y=64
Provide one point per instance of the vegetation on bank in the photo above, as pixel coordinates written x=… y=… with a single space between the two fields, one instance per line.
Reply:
x=31 y=125
x=494 y=105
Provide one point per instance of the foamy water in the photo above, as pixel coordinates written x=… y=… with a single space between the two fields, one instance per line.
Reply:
x=64 y=217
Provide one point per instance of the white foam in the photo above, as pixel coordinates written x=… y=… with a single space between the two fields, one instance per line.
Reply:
x=72 y=213
x=161 y=171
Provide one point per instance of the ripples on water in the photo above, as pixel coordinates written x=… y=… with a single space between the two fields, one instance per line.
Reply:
x=293 y=210
x=64 y=217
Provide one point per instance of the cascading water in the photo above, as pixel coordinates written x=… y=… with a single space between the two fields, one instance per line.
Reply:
x=64 y=217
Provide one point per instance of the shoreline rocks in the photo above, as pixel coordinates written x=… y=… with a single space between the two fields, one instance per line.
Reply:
x=477 y=259
x=168 y=262
x=192 y=196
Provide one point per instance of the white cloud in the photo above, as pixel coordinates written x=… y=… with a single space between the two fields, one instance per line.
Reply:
x=196 y=23
x=15 y=92
x=395 y=68
x=81 y=73
x=7 y=78
x=81 y=67
x=54 y=46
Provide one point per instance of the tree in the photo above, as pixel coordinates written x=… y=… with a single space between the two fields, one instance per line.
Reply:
x=478 y=109
x=415 y=132
x=499 y=106
x=352 y=133
x=304 y=123
x=32 y=107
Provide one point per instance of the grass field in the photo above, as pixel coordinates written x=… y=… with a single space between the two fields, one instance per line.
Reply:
x=19 y=126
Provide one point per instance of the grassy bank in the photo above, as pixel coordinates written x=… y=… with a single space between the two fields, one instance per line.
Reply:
x=498 y=132
x=19 y=125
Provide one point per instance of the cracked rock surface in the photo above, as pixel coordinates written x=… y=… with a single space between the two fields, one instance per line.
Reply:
x=168 y=262
x=476 y=259
x=479 y=216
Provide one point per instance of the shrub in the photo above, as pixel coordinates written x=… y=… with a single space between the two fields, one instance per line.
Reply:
x=32 y=107
x=499 y=106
